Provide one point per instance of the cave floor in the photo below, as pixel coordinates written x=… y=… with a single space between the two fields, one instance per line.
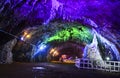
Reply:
x=50 y=70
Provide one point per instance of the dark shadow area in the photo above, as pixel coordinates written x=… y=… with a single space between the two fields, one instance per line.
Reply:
x=52 y=70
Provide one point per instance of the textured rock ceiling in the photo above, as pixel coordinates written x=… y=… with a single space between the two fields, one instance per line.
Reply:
x=21 y=13
x=15 y=15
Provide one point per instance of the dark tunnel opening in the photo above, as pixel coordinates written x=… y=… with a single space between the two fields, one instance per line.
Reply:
x=66 y=51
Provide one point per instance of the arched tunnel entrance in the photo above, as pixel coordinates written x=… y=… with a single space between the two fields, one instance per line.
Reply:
x=65 y=51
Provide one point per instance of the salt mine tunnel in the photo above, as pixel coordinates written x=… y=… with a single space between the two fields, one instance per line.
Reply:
x=48 y=30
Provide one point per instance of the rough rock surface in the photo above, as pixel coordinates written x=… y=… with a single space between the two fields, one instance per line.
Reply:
x=92 y=52
x=6 y=55
x=17 y=14
x=103 y=15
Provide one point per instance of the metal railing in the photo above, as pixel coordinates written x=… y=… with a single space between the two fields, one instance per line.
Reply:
x=111 y=66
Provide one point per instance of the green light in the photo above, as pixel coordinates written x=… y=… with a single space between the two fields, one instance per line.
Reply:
x=60 y=36
x=79 y=33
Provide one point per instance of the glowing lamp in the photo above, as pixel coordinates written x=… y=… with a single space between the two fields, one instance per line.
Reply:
x=52 y=51
x=43 y=46
x=25 y=33
x=28 y=36
x=22 y=38
x=56 y=53
x=107 y=58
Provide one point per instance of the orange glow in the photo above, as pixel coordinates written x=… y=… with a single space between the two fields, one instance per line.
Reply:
x=64 y=56
x=28 y=36
x=54 y=52
x=25 y=33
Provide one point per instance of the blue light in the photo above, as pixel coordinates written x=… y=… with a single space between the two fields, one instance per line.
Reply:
x=22 y=38
x=42 y=47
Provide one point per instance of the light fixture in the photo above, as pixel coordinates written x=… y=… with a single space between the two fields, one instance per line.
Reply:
x=54 y=52
x=22 y=38
x=25 y=33
x=28 y=36
x=42 y=47
x=107 y=58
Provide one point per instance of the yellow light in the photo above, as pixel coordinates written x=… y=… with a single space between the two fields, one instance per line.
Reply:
x=28 y=36
x=55 y=53
x=51 y=51
x=25 y=33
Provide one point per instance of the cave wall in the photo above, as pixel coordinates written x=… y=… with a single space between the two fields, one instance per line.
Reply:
x=17 y=15
x=6 y=55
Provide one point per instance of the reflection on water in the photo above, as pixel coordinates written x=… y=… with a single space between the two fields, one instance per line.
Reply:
x=41 y=72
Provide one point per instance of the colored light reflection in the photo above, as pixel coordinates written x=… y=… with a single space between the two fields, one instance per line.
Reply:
x=42 y=47
x=72 y=33
x=54 y=52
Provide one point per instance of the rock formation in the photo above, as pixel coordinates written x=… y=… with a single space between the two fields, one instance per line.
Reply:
x=17 y=15
x=92 y=52
x=6 y=55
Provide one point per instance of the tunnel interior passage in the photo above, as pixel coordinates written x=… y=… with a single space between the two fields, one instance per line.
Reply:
x=67 y=50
